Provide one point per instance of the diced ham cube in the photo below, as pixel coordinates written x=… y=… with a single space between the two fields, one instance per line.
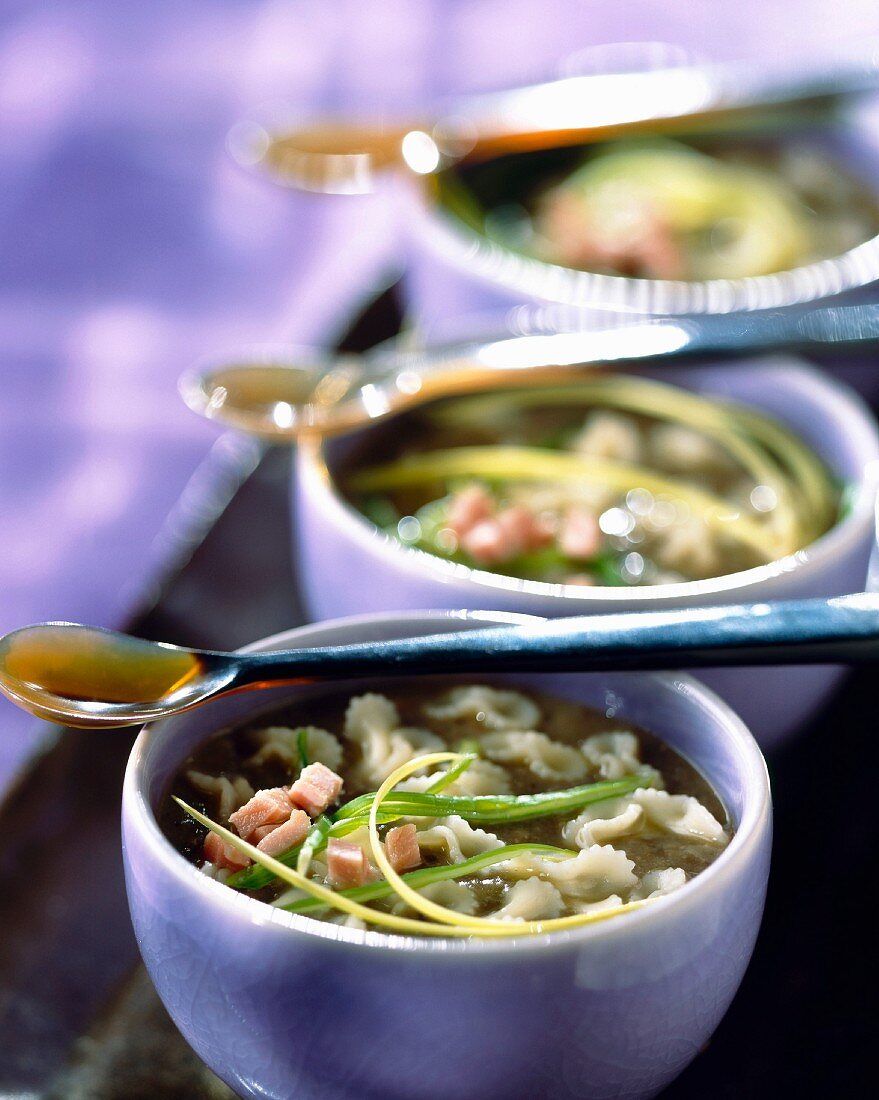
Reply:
x=485 y=542
x=347 y=865
x=580 y=536
x=523 y=530
x=632 y=239
x=468 y=507
x=222 y=854
x=512 y=532
x=546 y=527
x=316 y=788
x=263 y=831
x=515 y=526
x=269 y=807
x=401 y=845
x=286 y=836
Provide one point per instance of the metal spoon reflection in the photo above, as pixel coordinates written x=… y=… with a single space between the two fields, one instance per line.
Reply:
x=347 y=157
x=281 y=392
x=84 y=676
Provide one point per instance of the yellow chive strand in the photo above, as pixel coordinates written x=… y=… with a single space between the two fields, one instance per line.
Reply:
x=483 y=926
x=755 y=440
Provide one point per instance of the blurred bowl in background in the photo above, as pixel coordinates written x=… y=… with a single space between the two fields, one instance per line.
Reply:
x=455 y=268
x=348 y=566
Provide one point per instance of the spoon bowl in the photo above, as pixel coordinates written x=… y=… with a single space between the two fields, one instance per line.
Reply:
x=89 y=677
x=277 y=391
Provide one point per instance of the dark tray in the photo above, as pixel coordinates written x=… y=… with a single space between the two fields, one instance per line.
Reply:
x=79 y=1019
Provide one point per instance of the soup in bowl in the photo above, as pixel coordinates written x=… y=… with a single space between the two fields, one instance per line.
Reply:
x=596 y=980
x=671 y=488
x=663 y=225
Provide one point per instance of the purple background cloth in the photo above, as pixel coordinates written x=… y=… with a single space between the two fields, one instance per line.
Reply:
x=131 y=244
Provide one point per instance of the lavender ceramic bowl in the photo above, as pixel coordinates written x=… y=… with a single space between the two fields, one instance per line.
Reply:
x=284 y=1006
x=347 y=566
x=453 y=269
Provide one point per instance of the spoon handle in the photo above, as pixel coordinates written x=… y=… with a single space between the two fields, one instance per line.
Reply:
x=317 y=394
x=600 y=104
x=842 y=328
x=393 y=382
x=843 y=630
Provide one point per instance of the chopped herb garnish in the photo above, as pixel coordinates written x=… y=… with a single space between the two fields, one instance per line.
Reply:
x=302 y=747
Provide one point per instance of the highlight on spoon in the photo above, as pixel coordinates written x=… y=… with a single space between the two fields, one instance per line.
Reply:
x=282 y=392
x=328 y=156
x=88 y=676
x=277 y=392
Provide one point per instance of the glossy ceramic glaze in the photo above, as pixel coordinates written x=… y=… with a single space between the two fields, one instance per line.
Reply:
x=873 y=571
x=282 y=1006
x=346 y=566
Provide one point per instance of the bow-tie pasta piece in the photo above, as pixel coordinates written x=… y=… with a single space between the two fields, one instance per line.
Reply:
x=549 y=760
x=531 y=899
x=283 y=743
x=482 y=777
x=491 y=708
x=373 y=723
x=457 y=839
x=614 y=755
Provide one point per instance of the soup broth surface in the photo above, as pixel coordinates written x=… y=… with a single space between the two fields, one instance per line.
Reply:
x=666 y=827
x=613 y=480
x=659 y=208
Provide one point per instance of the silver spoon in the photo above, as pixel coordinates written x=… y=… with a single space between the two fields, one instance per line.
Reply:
x=85 y=676
x=282 y=392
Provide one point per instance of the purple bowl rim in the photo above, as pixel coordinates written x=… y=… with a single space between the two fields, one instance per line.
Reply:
x=853 y=415
x=449 y=238
x=741 y=850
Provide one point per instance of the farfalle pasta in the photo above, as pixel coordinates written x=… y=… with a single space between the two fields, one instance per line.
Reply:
x=491 y=708
x=373 y=723
x=471 y=810
x=287 y=744
x=550 y=760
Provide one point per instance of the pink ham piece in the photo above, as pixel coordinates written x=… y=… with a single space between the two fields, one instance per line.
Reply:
x=580 y=536
x=222 y=854
x=510 y=533
x=468 y=507
x=635 y=240
x=316 y=788
x=286 y=836
x=347 y=865
x=485 y=542
x=401 y=845
x=269 y=807
x=523 y=529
